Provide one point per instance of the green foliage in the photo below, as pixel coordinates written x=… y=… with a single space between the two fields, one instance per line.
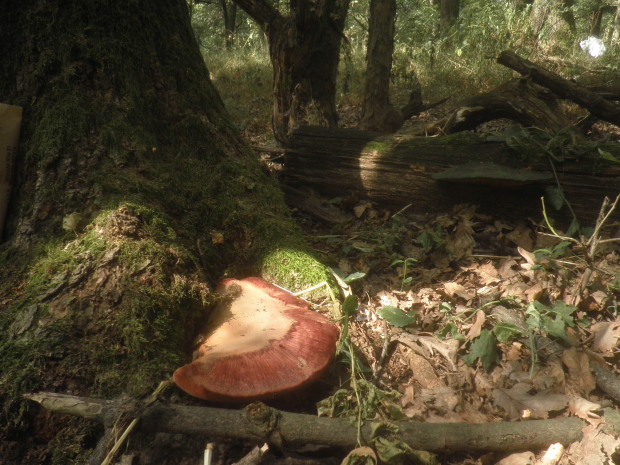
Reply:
x=552 y=320
x=404 y=263
x=365 y=403
x=557 y=251
x=397 y=317
x=483 y=348
x=208 y=24
x=391 y=450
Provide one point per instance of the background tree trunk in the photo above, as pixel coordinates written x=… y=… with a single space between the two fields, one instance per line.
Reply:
x=615 y=34
x=377 y=112
x=133 y=191
x=566 y=12
x=304 y=49
x=448 y=14
x=229 y=15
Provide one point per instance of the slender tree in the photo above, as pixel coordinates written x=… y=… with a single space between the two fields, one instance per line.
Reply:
x=377 y=112
x=304 y=47
x=448 y=13
x=229 y=15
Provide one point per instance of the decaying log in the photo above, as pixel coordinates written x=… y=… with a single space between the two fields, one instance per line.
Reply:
x=396 y=170
x=564 y=88
x=260 y=424
x=517 y=99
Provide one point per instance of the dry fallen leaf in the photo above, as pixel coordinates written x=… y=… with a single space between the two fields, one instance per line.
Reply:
x=517 y=401
x=461 y=242
x=596 y=448
x=459 y=290
x=606 y=335
x=360 y=208
x=475 y=329
x=580 y=378
x=522 y=236
x=423 y=371
x=519 y=458
x=584 y=409
x=552 y=455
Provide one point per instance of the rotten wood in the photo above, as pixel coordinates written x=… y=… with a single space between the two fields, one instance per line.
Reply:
x=607 y=381
x=396 y=170
x=517 y=99
x=564 y=88
x=312 y=204
x=260 y=423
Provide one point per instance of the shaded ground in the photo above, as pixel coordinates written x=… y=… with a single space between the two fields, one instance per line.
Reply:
x=500 y=333
x=506 y=320
x=458 y=319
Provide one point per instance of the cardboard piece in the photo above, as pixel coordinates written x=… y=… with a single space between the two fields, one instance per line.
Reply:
x=10 y=125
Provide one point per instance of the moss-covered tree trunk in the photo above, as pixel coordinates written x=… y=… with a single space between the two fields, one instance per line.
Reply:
x=133 y=194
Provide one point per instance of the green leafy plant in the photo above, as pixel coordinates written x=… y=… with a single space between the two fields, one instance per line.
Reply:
x=397 y=317
x=452 y=323
x=483 y=348
x=404 y=263
x=368 y=402
x=552 y=320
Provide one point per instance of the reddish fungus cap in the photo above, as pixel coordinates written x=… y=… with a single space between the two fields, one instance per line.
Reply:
x=260 y=341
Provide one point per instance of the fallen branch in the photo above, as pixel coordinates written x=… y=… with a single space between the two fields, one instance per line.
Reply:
x=564 y=88
x=607 y=381
x=260 y=423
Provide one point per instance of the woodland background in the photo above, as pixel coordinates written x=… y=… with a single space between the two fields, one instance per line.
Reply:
x=449 y=316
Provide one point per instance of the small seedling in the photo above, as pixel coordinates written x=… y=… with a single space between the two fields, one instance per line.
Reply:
x=404 y=278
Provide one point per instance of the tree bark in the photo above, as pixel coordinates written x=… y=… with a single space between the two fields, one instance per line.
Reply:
x=398 y=170
x=133 y=193
x=448 y=14
x=518 y=100
x=259 y=423
x=304 y=48
x=615 y=33
x=377 y=112
x=596 y=23
x=229 y=15
x=566 y=12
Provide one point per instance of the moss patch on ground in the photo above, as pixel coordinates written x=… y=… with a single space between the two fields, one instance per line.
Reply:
x=109 y=312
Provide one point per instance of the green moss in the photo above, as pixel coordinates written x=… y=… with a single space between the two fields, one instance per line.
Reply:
x=295 y=270
x=379 y=147
x=106 y=311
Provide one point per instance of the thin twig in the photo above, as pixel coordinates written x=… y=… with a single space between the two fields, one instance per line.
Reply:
x=121 y=440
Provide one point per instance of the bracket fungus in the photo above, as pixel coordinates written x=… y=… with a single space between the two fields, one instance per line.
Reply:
x=259 y=342
x=492 y=174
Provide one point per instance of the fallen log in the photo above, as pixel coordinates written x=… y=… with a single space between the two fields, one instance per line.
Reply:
x=397 y=170
x=517 y=99
x=260 y=423
x=564 y=88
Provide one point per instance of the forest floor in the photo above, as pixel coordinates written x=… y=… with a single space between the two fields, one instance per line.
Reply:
x=470 y=318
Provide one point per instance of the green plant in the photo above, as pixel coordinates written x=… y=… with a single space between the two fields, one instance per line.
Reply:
x=404 y=262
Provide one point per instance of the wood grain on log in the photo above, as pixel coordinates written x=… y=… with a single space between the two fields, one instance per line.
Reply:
x=260 y=423
x=396 y=170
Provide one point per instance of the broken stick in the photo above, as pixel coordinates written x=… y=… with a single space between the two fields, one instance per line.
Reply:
x=260 y=423
x=564 y=88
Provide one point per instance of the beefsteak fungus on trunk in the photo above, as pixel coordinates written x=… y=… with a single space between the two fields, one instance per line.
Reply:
x=260 y=342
